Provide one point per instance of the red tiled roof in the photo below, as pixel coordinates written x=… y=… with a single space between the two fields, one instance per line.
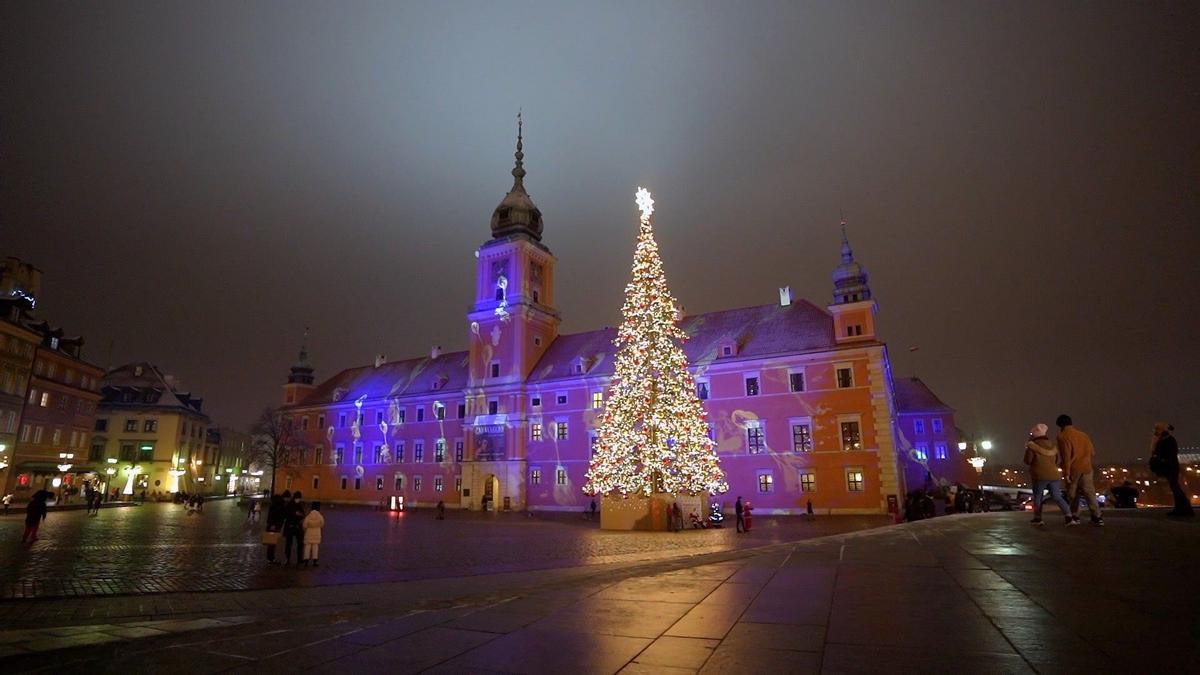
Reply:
x=913 y=396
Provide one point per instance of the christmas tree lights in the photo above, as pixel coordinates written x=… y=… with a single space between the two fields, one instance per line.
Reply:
x=653 y=434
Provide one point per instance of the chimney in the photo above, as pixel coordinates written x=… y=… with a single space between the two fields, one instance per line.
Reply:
x=785 y=296
x=380 y=360
x=435 y=352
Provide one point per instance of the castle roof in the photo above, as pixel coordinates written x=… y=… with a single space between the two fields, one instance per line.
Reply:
x=143 y=385
x=762 y=331
x=914 y=396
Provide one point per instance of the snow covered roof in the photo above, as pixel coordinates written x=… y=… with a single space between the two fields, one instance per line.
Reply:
x=413 y=377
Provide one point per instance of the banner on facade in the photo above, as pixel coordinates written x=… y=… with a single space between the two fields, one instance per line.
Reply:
x=489 y=443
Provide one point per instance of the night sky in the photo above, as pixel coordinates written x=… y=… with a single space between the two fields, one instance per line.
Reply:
x=200 y=181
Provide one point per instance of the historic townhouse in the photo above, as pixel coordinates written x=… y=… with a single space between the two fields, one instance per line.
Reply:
x=800 y=398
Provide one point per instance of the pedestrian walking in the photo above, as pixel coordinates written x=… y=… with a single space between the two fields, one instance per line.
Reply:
x=1041 y=454
x=739 y=515
x=313 y=523
x=97 y=497
x=255 y=510
x=35 y=513
x=275 y=518
x=1164 y=461
x=1077 y=452
x=293 y=528
x=808 y=509
x=441 y=510
x=7 y=503
x=199 y=503
x=592 y=508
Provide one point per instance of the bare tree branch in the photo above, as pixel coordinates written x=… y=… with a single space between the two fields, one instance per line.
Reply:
x=276 y=442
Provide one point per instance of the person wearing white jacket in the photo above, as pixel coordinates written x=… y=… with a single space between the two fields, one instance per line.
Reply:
x=312 y=525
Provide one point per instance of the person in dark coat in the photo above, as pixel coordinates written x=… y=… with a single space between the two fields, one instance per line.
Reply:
x=740 y=517
x=1166 y=449
x=35 y=513
x=293 y=528
x=275 y=518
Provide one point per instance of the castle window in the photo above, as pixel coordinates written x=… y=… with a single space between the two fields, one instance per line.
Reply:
x=939 y=451
x=420 y=413
x=495 y=369
x=493 y=407
x=808 y=482
x=796 y=381
x=752 y=386
x=802 y=437
x=316 y=483
x=755 y=440
x=503 y=214
x=702 y=390
x=535 y=401
x=398 y=483
x=535 y=476
x=458 y=451
x=937 y=425
x=561 y=431
x=854 y=479
x=922 y=452
x=418 y=452
x=597 y=400
x=437 y=483
x=535 y=432
x=560 y=476
x=851 y=436
x=462 y=411
x=845 y=377
x=766 y=482
x=919 y=426
x=379 y=483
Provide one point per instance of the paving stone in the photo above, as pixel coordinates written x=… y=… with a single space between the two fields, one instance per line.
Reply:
x=706 y=621
x=776 y=636
x=840 y=658
x=630 y=618
x=532 y=650
x=743 y=660
x=678 y=652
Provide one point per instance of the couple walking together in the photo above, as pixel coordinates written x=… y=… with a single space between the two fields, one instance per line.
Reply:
x=286 y=516
x=1069 y=458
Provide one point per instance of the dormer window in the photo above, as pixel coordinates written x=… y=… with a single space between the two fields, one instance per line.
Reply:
x=727 y=347
x=579 y=366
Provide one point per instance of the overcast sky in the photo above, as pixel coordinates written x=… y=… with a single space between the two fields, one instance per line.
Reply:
x=199 y=181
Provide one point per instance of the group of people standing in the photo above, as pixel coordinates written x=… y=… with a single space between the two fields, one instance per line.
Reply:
x=299 y=528
x=1065 y=465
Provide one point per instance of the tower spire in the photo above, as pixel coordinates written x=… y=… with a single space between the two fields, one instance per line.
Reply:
x=849 y=279
x=847 y=252
x=518 y=171
x=302 y=370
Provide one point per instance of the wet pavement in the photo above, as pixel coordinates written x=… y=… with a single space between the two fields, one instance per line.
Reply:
x=158 y=548
x=984 y=593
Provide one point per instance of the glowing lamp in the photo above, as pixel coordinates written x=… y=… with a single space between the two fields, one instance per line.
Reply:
x=962 y=445
x=986 y=445
x=56 y=482
x=64 y=467
x=112 y=460
x=977 y=462
x=110 y=471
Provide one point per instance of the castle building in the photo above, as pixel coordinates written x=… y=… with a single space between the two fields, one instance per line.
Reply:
x=800 y=398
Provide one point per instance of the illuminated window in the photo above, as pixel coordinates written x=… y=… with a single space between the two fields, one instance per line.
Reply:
x=458 y=451
x=597 y=399
x=796 y=381
x=802 y=437
x=922 y=452
x=535 y=476
x=561 y=431
x=702 y=390
x=755 y=441
x=752 y=386
x=845 y=378
x=358 y=454
x=418 y=451
x=937 y=425
x=377 y=453
x=439 y=450
x=339 y=454
x=437 y=484
x=45 y=399
x=150 y=425
x=808 y=482
x=458 y=484
x=131 y=425
x=766 y=482
x=379 y=483
x=919 y=426
x=398 y=448
x=854 y=479
x=535 y=432
x=560 y=476
x=146 y=452
x=417 y=483
x=851 y=437
x=37 y=434
x=939 y=451
x=400 y=414
x=33 y=396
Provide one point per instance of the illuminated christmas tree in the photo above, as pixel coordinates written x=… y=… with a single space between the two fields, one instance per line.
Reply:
x=652 y=436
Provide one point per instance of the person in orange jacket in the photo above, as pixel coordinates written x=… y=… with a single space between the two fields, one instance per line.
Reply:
x=1077 y=452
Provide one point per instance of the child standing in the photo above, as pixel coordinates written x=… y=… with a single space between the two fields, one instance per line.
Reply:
x=312 y=524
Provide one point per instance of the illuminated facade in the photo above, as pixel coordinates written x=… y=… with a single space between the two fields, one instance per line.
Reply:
x=800 y=399
x=151 y=435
